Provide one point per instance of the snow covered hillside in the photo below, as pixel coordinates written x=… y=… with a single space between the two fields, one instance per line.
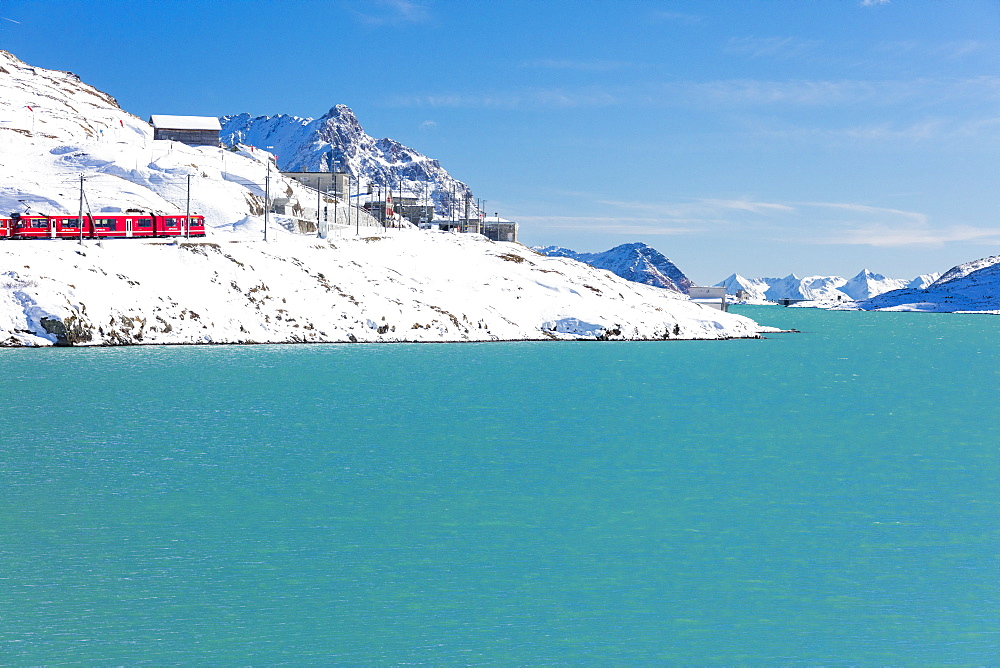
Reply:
x=410 y=286
x=360 y=284
x=971 y=286
x=635 y=262
x=828 y=289
x=55 y=129
x=337 y=138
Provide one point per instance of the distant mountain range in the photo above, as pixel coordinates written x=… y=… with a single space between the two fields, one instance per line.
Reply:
x=971 y=286
x=865 y=285
x=337 y=142
x=644 y=264
x=634 y=262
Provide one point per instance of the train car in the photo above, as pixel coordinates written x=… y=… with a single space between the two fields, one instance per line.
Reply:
x=197 y=226
x=118 y=226
x=32 y=227
x=175 y=226
x=5 y=226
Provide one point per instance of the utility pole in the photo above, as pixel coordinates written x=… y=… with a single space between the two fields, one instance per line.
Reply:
x=267 y=196
x=318 y=232
x=80 y=219
x=187 y=212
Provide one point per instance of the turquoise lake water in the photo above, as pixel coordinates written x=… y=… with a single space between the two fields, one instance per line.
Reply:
x=825 y=497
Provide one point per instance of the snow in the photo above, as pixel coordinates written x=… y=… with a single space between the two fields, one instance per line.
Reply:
x=359 y=284
x=408 y=286
x=636 y=261
x=969 y=287
x=818 y=290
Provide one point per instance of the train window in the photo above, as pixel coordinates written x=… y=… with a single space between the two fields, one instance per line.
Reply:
x=145 y=222
x=172 y=222
x=40 y=223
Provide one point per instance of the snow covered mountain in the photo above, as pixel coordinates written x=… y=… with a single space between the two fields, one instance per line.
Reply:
x=360 y=284
x=864 y=285
x=971 y=286
x=634 y=262
x=867 y=284
x=337 y=142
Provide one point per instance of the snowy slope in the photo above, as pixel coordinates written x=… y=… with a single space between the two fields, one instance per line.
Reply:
x=964 y=269
x=867 y=284
x=971 y=286
x=233 y=287
x=635 y=262
x=817 y=288
x=922 y=281
x=753 y=288
x=306 y=144
x=411 y=286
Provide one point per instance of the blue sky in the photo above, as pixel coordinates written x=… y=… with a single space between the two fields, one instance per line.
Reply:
x=761 y=137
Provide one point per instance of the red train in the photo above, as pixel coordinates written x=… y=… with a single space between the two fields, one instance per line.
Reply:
x=104 y=226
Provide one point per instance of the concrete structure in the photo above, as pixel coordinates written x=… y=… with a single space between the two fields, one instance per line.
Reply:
x=416 y=213
x=504 y=230
x=335 y=183
x=714 y=296
x=196 y=130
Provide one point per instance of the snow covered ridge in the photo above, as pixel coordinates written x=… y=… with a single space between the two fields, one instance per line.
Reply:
x=968 y=287
x=819 y=288
x=409 y=286
x=311 y=145
x=50 y=104
x=635 y=262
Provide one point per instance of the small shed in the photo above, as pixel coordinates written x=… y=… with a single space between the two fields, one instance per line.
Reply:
x=201 y=130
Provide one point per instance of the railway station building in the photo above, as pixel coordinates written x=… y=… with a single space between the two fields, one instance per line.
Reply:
x=197 y=130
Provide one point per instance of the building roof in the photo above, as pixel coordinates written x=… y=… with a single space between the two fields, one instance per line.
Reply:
x=185 y=122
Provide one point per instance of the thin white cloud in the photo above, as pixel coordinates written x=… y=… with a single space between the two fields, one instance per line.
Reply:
x=865 y=209
x=552 y=98
x=705 y=210
x=845 y=223
x=960 y=49
x=724 y=94
x=880 y=235
x=613 y=224
x=676 y=17
x=874 y=3
x=578 y=65
x=983 y=129
x=781 y=48
x=392 y=12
